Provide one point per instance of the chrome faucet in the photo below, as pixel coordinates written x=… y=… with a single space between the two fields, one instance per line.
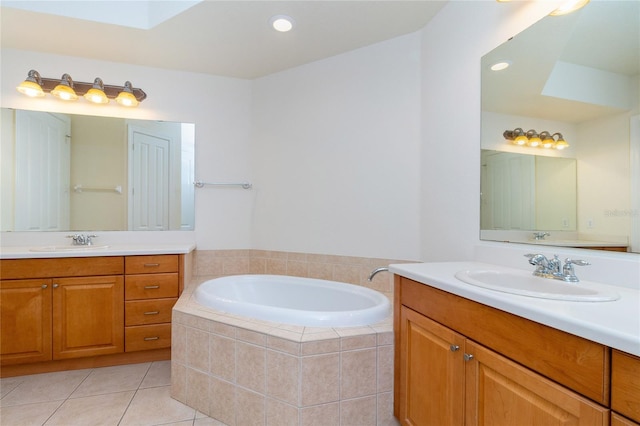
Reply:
x=553 y=268
x=82 y=239
x=540 y=235
x=375 y=271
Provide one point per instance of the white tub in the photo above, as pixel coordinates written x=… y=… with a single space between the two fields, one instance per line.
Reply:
x=293 y=300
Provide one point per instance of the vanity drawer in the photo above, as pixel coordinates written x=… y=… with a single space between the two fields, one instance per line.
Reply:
x=61 y=267
x=152 y=311
x=144 y=337
x=625 y=384
x=152 y=286
x=151 y=264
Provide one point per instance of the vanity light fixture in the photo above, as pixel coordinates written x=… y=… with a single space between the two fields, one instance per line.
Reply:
x=32 y=86
x=126 y=97
x=282 y=23
x=533 y=139
x=66 y=89
x=96 y=93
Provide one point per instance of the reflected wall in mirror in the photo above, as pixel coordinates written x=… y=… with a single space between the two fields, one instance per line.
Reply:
x=577 y=74
x=526 y=192
x=68 y=172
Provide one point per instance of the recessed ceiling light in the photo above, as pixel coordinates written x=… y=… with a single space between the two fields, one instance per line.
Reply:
x=499 y=66
x=282 y=23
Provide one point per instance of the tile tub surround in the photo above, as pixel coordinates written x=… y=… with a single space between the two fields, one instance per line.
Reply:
x=346 y=269
x=245 y=372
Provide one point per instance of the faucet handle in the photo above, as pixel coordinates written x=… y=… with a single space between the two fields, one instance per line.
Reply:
x=568 y=273
x=578 y=262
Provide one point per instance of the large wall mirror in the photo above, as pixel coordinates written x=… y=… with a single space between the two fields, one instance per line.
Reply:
x=68 y=172
x=577 y=75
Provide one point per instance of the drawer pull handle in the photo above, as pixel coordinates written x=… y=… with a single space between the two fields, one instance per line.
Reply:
x=152 y=313
x=151 y=265
x=151 y=338
x=151 y=287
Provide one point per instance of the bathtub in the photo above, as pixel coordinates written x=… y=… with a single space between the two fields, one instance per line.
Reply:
x=294 y=300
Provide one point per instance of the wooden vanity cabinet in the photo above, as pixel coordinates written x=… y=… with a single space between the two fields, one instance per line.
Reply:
x=625 y=386
x=151 y=289
x=460 y=362
x=70 y=308
x=25 y=321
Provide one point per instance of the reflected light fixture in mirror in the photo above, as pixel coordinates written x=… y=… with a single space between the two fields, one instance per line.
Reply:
x=66 y=89
x=533 y=139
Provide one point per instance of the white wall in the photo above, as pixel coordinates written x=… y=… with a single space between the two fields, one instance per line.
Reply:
x=336 y=150
x=219 y=107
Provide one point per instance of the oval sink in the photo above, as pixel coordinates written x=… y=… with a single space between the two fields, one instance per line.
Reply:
x=68 y=248
x=525 y=284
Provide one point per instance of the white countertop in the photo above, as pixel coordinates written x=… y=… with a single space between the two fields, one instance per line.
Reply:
x=34 y=252
x=614 y=323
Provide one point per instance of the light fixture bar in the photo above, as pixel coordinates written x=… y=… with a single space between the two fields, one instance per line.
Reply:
x=79 y=87
x=533 y=139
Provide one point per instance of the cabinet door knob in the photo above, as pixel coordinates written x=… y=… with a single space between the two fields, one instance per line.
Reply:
x=454 y=348
x=44 y=286
x=55 y=286
x=468 y=357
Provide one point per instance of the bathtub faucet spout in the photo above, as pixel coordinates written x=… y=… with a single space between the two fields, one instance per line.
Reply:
x=375 y=271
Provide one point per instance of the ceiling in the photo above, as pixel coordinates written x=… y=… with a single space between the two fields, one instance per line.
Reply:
x=226 y=38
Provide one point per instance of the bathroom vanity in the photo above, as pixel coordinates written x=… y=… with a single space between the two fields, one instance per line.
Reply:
x=80 y=309
x=504 y=357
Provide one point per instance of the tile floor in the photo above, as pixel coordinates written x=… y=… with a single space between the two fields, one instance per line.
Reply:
x=126 y=395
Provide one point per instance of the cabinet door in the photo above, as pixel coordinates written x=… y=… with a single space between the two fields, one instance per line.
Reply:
x=88 y=316
x=625 y=384
x=501 y=392
x=431 y=372
x=25 y=321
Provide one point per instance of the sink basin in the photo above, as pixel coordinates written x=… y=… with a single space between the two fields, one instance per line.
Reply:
x=68 y=248
x=525 y=284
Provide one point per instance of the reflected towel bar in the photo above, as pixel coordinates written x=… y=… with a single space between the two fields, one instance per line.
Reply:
x=201 y=184
x=80 y=188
